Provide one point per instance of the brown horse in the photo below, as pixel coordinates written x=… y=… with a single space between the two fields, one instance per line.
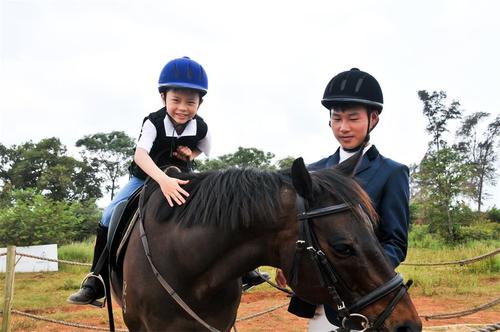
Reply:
x=318 y=227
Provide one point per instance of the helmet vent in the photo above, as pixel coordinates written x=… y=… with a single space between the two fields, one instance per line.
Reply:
x=176 y=70
x=358 y=84
x=342 y=85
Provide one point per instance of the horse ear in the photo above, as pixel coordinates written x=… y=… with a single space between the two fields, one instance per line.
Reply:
x=301 y=179
x=348 y=167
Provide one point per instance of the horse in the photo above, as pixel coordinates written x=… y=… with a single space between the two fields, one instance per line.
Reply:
x=182 y=266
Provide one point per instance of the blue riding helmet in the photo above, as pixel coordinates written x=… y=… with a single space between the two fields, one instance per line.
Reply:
x=183 y=73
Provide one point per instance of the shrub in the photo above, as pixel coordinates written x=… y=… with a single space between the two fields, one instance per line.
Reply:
x=493 y=214
x=31 y=219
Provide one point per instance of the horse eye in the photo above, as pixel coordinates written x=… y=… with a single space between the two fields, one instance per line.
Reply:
x=342 y=249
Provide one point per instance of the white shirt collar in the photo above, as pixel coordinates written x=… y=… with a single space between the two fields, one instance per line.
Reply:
x=344 y=155
x=189 y=130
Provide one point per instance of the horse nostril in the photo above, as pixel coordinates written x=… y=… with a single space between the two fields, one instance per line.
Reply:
x=403 y=329
x=409 y=327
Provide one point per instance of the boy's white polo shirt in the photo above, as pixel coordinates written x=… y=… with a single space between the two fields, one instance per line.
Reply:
x=148 y=135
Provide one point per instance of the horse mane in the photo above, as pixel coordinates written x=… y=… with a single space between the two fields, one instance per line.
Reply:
x=232 y=198
x=237 y=198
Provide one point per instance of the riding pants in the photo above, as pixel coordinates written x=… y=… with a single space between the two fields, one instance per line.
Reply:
x=122 y=195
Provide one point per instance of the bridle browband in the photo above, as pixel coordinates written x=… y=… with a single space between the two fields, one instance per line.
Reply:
x=330 y=278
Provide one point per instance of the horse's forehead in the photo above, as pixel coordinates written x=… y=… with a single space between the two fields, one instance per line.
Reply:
x=287 y=195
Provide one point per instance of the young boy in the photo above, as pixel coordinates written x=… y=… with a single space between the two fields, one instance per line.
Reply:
x=355 y=101
x=174 y=135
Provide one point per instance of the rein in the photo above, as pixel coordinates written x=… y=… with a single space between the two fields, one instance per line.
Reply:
x=329 y=277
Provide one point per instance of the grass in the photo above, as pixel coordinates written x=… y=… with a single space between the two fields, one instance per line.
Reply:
x=479 y=278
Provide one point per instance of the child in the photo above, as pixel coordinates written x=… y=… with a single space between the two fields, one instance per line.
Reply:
x=355 y=101
x=174 y=135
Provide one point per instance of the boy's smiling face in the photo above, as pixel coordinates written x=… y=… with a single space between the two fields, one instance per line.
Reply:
x=350 y=125
x=182 y=104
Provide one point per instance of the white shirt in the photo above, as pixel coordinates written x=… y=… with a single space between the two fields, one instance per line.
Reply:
x=148 y=135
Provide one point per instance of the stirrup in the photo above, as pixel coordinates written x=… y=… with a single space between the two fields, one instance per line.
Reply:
x=96 y=303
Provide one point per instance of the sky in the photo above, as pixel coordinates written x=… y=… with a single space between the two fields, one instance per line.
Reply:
x=71 y=68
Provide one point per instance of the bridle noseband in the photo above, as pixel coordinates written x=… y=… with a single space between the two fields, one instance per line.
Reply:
x=329 y=277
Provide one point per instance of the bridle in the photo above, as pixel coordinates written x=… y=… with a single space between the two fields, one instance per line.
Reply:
x=329 y=277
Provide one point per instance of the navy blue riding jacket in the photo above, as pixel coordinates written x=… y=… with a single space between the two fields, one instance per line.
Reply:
x=387 y=184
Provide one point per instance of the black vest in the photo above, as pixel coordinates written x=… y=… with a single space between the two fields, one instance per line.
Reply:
x=164 y=146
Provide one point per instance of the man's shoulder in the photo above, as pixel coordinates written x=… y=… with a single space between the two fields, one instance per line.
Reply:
x=392 y=163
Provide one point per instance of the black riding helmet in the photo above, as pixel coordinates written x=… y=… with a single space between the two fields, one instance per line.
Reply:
x=353 y=87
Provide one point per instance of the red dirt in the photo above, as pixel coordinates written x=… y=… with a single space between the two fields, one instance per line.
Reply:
x=280 y=319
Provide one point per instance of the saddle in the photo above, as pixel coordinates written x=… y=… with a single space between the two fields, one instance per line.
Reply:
x=120 y=226
x=123 y=220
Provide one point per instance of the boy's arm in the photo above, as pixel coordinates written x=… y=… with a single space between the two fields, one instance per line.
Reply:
x=169 y=186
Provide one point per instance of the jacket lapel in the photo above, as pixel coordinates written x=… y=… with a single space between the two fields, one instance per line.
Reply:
x=335 y=158
x=368 y=167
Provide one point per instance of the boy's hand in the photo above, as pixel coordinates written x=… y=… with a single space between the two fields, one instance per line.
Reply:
x=184 y=153
x=280 y=278
x=172 y=190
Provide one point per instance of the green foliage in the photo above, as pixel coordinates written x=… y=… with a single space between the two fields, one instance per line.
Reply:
x=442 y=177
x=479 y=152
x=32 y=219
x=438 y=115
x=494 y=214
x=45 y=167
x=421 y=237
x=111 y=152
x=285 y=162
x=76 y=252
x=244 y=157
x=479 y=232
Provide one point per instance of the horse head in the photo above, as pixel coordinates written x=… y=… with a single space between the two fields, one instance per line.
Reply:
x=334 y=257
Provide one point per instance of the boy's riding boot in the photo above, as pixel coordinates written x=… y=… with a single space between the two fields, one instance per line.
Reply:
x=93 y=289
x=253 y=278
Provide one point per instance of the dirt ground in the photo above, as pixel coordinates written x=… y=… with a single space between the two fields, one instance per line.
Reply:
x=281 y=320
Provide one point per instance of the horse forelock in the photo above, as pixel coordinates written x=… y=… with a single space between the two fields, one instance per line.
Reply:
x=345 y=189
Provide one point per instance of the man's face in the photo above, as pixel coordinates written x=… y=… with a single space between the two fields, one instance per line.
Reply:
x=182 y=104
x=350 y=125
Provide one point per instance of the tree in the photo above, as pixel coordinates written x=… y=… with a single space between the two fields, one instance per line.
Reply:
x=438 y=114
x=45 y=167
x=479 y=150
x=243 y=157
x=285 y=162
x=112 y=152
x=442 y=176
